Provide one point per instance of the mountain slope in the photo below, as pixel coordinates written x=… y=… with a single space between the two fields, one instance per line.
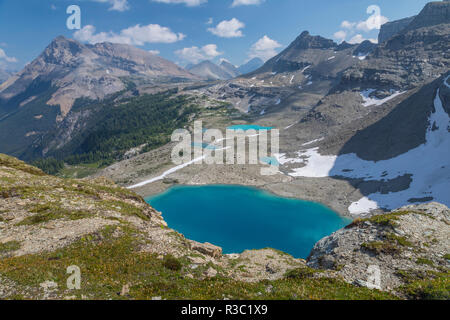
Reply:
x=37 y=101
x=50 y=223
x=76 y=70
x=210 y=71
x=299 y=76
x=231 y=69
x=4 y=75
x=251 y=66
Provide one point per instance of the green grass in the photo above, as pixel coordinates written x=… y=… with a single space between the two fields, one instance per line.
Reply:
x=427 y=286
x=108 y=263
x=48 y=212
x=378 y=247
x=172 y=263
x=301 y=273
x=14 y=163
x=402 y=241
x=9 y=246
x=425 y=261
x=79 y=171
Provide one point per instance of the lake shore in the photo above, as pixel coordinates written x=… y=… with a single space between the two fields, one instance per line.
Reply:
x=336 y=194
x=239 y=218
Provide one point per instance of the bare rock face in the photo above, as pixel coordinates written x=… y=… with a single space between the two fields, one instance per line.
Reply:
x=390 y=29
x=432 y=14
x=408 y=242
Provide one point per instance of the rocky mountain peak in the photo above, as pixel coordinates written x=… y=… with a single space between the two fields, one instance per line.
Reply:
x=307 y=41
x=61 y=51
x=432 y=14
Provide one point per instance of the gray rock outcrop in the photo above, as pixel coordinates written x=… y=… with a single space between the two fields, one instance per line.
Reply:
x=390 y=29
x=405 y=243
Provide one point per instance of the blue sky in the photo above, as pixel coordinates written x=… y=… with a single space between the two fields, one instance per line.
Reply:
x=187 y=31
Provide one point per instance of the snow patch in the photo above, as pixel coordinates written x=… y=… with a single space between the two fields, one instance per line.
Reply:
x=362 y=206
x=313 y=141
x=428 y=165
x=446 y=82
x=368 y=101
x=288 y=127
x=165 y=174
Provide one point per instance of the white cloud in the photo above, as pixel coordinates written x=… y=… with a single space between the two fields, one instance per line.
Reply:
x=155 y=52
x=189 y=3
x=340 y=35
x=347 y=24
x=116 y=5
x=372 y=23
x=210 y=21
x=137 y=35
x=353 y=30
x=358 y=38
x=196 y=54
x=264 y=48
x=228 y=29
x=4 y=57
x=237 y=3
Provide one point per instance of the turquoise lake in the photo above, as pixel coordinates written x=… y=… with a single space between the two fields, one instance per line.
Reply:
x=237 y=218
x=246 y=127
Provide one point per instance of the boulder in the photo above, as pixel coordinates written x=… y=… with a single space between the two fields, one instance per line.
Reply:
x=207 y=249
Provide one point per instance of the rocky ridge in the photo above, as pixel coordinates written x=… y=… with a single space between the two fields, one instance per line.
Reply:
x=407 y=245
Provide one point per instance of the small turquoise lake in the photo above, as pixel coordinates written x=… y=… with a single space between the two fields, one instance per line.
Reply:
x=237 y=218
x=246 y=127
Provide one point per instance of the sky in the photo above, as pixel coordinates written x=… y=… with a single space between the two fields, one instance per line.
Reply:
x=190 y=31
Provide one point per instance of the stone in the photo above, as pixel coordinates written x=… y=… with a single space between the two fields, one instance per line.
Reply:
x=271 y=268
x=211 y=272
x=125 y=290
x=207 y=248
x=48 y=285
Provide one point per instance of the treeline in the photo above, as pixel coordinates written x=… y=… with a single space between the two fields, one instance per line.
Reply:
x=117 y=128
x=49 y=165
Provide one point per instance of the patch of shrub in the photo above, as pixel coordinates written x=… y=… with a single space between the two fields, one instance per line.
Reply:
x=300 y=273
x=172 y=263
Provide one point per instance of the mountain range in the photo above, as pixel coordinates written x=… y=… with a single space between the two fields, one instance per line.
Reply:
x=341 y=99
x=4 y=75
x=364 y=129
x=225 y=70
